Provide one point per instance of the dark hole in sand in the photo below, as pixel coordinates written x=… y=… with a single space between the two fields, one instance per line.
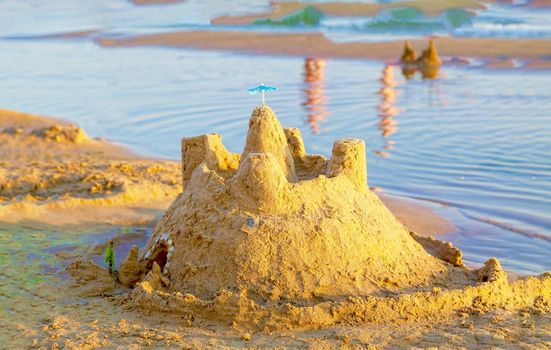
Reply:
x=159 y=256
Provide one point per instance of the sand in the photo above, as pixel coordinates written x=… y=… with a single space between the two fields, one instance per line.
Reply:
x=282 y=9
x=317 y=45
x=89 y=309
x=52 y=173
x=409 y=212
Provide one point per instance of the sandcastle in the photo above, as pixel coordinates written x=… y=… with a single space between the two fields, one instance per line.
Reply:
x=280 y=223
x=428 y=63
x=275 y=233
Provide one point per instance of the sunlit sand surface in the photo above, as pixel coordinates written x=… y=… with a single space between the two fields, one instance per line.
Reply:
x=275 y=236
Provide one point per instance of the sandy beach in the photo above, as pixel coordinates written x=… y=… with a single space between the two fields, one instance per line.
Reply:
x=51 y=170
x=317 y=45
x=353 y=208
x=96 y=311
x=81 y=185
x=34 y=201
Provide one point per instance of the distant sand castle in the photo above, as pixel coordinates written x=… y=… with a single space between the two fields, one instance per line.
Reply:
x=428 y=63
x=275 y=238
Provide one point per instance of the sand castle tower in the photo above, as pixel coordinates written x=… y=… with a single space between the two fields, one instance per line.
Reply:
x=429 y=63
x=409 y=55
x=277 y=223
x=430 y=55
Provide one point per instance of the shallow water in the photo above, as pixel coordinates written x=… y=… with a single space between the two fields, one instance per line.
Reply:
x=475 y=143
x=34 y=262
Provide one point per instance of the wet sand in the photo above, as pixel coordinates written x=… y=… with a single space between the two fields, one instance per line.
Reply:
x=408 y=213
x=317 y=45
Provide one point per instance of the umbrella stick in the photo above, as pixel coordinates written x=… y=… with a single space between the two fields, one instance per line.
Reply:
x=263 y=98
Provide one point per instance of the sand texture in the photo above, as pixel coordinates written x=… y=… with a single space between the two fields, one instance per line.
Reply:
x=273 y=246
x=50 y=170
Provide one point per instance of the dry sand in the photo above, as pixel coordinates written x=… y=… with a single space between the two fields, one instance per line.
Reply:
x=317 y=45
x=346 y=9
x=52 y=173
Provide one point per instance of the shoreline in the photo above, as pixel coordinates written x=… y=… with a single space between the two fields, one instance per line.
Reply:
x=535 y=51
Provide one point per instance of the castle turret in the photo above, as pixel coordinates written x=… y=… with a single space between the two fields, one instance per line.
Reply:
x=267 y=136
x=207 y=149
x=260 y=181
x=348 y=159
x=430 y=56
x=409 y=55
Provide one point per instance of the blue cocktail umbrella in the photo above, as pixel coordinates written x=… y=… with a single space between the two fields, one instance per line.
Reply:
x=262 y=88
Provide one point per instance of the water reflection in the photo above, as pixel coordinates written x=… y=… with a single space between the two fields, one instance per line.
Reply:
x=387 y=109
x=316 y=102
x=428 y=72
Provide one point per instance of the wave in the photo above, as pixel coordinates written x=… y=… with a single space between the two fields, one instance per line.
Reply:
x=308 y=16
x=508 y=227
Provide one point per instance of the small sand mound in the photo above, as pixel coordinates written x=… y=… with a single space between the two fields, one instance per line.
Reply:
x=90 y=279
x=62 y=133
